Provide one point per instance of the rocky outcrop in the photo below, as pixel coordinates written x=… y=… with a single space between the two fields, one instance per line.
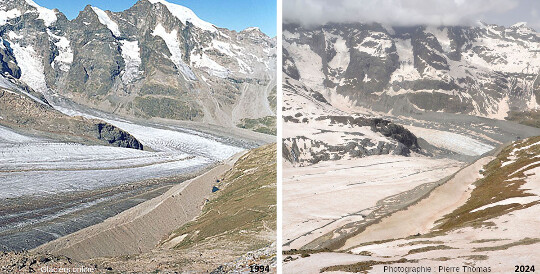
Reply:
x=309 y=150
x=7 y=61
x=116 y=136
x=26 y=114
x=385 y=127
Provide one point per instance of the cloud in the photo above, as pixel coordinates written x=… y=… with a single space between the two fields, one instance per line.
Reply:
x=535 y=19
x=393 y=12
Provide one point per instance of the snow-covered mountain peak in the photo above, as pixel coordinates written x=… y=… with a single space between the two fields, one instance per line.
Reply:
x=145 y=61
x=107 y=21
x=519 y=25
x=45 y=14
x=456 y=69
x=186 y=15
x=252 y=29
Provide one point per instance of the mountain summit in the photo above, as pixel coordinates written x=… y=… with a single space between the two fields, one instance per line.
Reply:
x=153 y=60
x=483 y=71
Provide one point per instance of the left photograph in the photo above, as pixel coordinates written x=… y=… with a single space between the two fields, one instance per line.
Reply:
x=138 y=136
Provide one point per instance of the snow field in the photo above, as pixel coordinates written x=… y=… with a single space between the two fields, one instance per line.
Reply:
x=317 y=195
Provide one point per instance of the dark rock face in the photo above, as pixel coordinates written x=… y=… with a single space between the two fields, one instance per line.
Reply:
x=7 y=60
x=385 y=127
x=116 y=136
x=288 y=65
x=396 y=132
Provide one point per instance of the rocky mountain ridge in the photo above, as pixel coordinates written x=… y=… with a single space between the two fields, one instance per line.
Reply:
x=26 y=114
x=155 y=59
x=486 y=70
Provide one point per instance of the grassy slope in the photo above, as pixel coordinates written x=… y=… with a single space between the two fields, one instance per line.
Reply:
x=493 y=187
x=265 y=125
x=244 y=210
x=528 y=118
x=499 y=183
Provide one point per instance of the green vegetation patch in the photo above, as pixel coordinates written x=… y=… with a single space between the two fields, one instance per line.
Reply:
x=266 y=125
x=524 y=241
x=243 y=209
x=168 y=108
x=363 y=266
x=499 y=183
x=528 y=118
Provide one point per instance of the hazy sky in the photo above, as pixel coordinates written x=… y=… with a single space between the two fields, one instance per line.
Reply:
x=231 y=14
x=413 y=12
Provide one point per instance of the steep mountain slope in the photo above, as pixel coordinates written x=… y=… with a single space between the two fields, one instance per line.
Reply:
x=155 y=59
x=485 y=71
x=28 y=114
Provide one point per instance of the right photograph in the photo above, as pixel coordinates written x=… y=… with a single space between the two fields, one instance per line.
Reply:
x=411 y=136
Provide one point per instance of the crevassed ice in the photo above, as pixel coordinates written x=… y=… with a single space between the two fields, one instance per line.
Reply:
x=31 y=66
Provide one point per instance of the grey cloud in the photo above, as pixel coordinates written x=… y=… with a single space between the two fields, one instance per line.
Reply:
x=393 y=12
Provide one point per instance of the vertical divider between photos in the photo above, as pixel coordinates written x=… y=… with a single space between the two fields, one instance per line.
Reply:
x=279 y=143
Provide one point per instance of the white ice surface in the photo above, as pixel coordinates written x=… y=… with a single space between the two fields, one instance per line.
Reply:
x=48 y=16
x=186 y=15
x=32 y=72
x=8 y=136
x=132 y=59
x=107 y=21
x=458 y=143
x=171 y=39
x=45 y=168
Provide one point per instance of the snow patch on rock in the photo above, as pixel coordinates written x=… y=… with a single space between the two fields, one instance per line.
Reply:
x=65 y=55
x=171 y=39
x=203 y=61
x=48 y=16
x=186 y=15
x=7 y=15
x=107 y=21
x=132 y=59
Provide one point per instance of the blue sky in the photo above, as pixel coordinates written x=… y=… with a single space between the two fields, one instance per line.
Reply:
x=231 y=14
